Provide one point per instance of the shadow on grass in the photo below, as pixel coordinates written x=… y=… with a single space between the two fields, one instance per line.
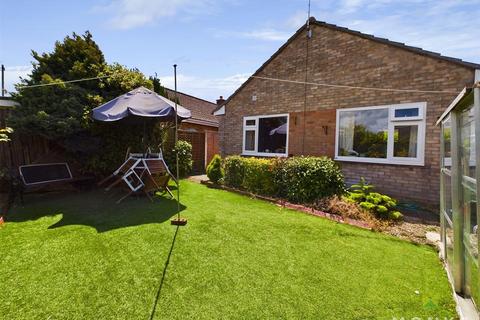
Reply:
x=162 y=279
x=95 y=209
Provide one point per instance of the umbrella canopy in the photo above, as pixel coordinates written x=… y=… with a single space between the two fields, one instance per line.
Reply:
x=140 y=102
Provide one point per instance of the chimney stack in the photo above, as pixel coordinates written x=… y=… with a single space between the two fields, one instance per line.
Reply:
x=220 y=101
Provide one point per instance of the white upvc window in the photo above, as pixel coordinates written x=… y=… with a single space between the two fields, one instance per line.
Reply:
x=266 y=135
x=390 y=134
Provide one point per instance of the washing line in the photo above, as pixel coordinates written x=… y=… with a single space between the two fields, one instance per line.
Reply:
x=353 y=87
x=61 y=82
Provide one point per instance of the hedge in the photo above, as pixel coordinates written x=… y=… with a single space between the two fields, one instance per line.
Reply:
x=296 y=179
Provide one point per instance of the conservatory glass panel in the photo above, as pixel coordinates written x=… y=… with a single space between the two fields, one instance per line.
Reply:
x=447 y=143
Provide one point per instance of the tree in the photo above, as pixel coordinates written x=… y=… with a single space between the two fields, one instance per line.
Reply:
x=52 y=108
x=60 y=111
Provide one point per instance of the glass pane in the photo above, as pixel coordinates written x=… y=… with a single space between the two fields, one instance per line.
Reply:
x=272 y=135
x=447 y=149
x=470 y=239
x=467 y=143
x=449 y=246
x=405 y=141
x=447 y=195
x=250 y=122
x=363 y=133
x=250 y=140
x=405 y=113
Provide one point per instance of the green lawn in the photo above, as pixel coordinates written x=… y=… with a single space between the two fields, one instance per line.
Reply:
x=80 y=256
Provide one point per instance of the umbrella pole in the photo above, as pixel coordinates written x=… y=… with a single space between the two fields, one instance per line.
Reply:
x=177 y=221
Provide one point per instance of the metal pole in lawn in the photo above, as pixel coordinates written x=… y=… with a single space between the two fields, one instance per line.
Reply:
x=177 y=221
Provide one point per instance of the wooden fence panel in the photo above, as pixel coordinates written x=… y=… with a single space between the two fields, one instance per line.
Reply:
x=22 y=149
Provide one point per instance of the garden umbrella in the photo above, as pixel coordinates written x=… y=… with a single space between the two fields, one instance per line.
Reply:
x=144 y=103
x=140 y=102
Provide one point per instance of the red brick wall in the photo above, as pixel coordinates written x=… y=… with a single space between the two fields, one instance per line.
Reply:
x=342 y=58
x=319 y=139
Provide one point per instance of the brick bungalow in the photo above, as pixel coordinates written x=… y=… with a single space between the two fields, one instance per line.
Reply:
x=201 y=130
x=288 y=107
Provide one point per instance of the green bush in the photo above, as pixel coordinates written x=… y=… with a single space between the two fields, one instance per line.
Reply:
x=214 y=169
x=258 y=176
x=297 y=179
x=234 y=167
x=382 y=206
x=185 y=162
x=307 y=179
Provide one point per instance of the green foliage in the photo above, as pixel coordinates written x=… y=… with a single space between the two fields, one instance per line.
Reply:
x=185 y=162
x=5 y=134
x=297 y=179
x=234 y=171
x=307 y=179
x=214 y=169
x=258 y=176
x=379 y=204
x=395 y=215
x=157 y=86
x=61 y=111
x=56 y=111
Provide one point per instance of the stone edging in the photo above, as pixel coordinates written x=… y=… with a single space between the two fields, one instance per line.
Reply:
x=292 y=206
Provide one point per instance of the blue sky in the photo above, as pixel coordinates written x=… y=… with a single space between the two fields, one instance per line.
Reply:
x=218 y=44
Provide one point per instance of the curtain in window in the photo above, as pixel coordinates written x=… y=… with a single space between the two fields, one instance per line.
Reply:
x=412 y=144
x=347 y=126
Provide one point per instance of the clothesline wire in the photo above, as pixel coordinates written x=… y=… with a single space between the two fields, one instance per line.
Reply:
x=61 y=82
x=352 y=87
x=263 y=78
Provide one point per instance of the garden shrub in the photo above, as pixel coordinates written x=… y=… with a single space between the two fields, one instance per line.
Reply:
x=307 y=179
x=258 y=176
x=234 y=167
x=214 y=169
x=297 y=179
x=185 y=162
x=382 y=206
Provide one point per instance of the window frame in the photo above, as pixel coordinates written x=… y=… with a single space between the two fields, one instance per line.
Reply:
x=255 y=129
x=419 y=120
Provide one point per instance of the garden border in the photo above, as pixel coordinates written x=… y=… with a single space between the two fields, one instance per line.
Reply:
x=293 y=206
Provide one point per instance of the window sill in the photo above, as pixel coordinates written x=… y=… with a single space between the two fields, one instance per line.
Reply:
x=415 y=162
x=262 y=154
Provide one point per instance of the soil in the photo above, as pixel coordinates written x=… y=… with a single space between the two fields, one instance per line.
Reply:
x=417 y=222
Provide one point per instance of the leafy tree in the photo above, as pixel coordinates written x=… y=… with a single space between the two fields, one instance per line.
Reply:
x=48 y=106
x=60 y=111
x=157 y=86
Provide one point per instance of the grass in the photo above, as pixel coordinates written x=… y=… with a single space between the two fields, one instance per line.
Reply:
x=80 y=256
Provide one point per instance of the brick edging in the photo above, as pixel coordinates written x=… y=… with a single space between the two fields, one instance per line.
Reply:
x=293 y=206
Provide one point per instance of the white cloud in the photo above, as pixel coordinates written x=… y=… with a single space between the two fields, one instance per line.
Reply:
x=13 y=74
x=129 y=14
x=206 y=88
x=267 y=34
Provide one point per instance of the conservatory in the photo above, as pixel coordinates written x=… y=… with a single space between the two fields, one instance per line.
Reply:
x=459 y=208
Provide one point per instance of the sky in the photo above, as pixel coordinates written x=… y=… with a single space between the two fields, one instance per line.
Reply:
x=218 y=44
